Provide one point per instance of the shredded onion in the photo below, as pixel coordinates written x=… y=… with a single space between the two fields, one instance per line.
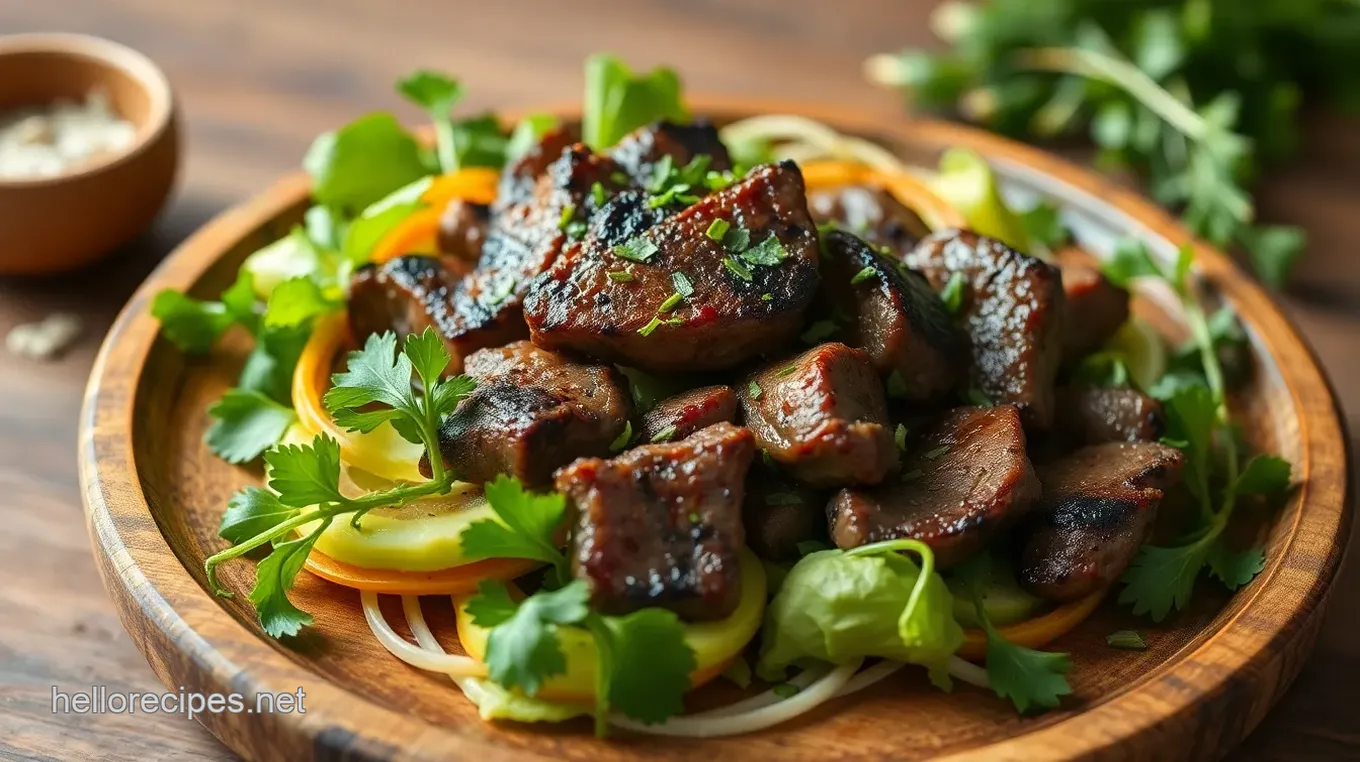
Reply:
x=807 y=139
x=433 y=660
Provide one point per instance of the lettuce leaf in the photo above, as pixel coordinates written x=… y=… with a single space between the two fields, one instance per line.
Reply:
x=618 y=102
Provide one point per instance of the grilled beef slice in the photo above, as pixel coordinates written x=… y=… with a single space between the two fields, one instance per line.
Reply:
x=964 y=479
x=726 y=319
x=780 y=512
x=660 y=525
x=822 y=415
x=1097 y=506
x=871 y=213
x=895 y=316
x=675 y=418
x=1095 y=307
x=640 y=151
x=1013 y=312
x=462 y=229
x=532 y=412
x=1095 y=414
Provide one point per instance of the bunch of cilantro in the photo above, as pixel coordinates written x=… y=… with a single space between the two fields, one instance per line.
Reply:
x=1194 y=95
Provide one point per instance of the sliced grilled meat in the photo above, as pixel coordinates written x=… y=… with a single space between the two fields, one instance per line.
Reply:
x=1013 y=310
x=660 y=525
x=532 y=412
x=822 y=415
x=1095 y=306
x=781 y=512
x=895 y=316
x=726 y=319
x=639 y=152
x=872 y=213
x=1097 y=506
x=462 y=229
x=520 y=177
x=964 y=479
x=1094 y=414
x=675 y=418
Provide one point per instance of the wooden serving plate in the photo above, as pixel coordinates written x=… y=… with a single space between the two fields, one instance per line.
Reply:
x=154 y=496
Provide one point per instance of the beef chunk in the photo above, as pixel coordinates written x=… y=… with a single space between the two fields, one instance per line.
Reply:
x=1096 y=308
x=462 y=229
x=822 y=415
x=532 y=412
x=726 y=319
x=895 y=316
x=780 y=513
x=872 y=213
x=660 y=525
x=639 y=152
x=963 y=480
x=1097 y=506
x=1094 y=414
x=679 y=416
x=1013 y=311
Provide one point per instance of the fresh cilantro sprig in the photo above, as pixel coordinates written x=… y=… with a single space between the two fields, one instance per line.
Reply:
x=1028 y=678
x=526 y=526
x=1162 y=578
x=642 y=664
x=376 y=388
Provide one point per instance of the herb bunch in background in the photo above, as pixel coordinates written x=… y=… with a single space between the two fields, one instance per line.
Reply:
x=1195 y=96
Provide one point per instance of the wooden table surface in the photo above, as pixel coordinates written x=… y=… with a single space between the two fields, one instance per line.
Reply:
x=259 y=78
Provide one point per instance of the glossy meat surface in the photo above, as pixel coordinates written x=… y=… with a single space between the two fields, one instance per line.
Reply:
x=532 y=412
x=677 y=417
x=1096 y=308
x=660 y=525
x=1097 y=506
x=578 y=305
x=964 y=479
x=1096 y=414
x=639 y=152
x=822 y=415
x=462 y=229
x=871 y=213
x=1013 y=312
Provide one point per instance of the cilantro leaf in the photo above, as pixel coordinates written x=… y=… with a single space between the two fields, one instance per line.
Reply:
x=245 y=424
x=648 y=664
x=436 y=93
x=1235 y=569
x=1131 y=260
x=363 y=161
x=251 y=511
x=1027 y=677
x=522 y=649
x=274 y=577
x=1273 y=250
x=527 y=524
x=1264 y=475
x=767 y=253
x=451 y=391
x=1044 y=225
x=294 y=302
x=194 y=325
x=429 y=357
x=618 y=101
x=1161 y=579
x=376 y=373
x=306 y=475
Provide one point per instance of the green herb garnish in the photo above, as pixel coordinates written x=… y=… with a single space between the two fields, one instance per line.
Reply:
x=864 y=274
x=639 y=249
x=717 y=229
x=737 y=269
x=1127 y=640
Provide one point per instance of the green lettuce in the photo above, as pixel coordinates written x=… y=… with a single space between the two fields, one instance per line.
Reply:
x=618 y=102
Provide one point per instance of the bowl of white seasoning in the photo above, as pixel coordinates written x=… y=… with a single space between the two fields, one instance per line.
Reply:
x=89 y=148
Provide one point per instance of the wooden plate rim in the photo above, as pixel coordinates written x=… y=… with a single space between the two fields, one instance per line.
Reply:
x=231 y=658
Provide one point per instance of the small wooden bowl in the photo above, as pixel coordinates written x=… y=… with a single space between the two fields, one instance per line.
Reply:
x=154 y=497
x=55 y=224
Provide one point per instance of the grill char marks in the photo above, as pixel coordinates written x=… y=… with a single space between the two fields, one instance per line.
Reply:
x=1097 y=506
x=532 y=412
x=871 y=213
x=895 y=317
x=661 y=524
x=1013 y=311
x=965 y=479
x=688 y=412
x=576 y=304
x=822 y=415
x=639 y=152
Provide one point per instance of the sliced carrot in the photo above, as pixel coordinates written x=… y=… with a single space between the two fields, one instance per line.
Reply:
x=458 y=580
x=1036 y=632
x=417 y=234
x=912 y=192
x=476 y=184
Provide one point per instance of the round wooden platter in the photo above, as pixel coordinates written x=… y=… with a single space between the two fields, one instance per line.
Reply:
x=154 y=496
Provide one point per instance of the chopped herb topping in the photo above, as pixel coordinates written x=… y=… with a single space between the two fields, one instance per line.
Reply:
x=822 y=329
x=576 y=230
x=619 y=178
x=597 y=193
x=662 y=176
x=977 y=398
x=766 y=458
x=897 y=386
x=671 y=303
x=737 y=240
x=767 y=297
x=755 y=390
x=767 y=253
x=952 y=293
x=664 y=435
x=620 y=442
x=639 y=249
x=900 y=437
x=682 y=285
x=717 y=229
x=672 y=195
x=1127 y=640
x=694 y=518
x=789 y=371
x=912 y=475
x=737 y=269
x=823 y=248
x=865 y=274
x=568 y=212
x=656 y=323
x=936 y=452
x=717 y=181
x=620 y=276
x=783 y=498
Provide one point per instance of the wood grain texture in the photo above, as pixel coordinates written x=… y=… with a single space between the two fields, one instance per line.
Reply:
x=258 y=79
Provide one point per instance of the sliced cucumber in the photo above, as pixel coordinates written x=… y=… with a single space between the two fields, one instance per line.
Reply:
x=966 y=181
x=1002 y=599
x=1143 y=351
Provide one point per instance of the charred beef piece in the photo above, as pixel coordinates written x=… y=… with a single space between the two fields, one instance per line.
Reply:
x=871 y=213
x=1095 y=306
x=780 y=513
x=677 y=417
x=462 y=229
x=726 y=319
x=895 y=316
x=822 y=415
x=1097 y=506
x=1013 y=312
x=532 y=412
x=1094 y=414
x=639 y=152
x=660 y=525
x=964 y=479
